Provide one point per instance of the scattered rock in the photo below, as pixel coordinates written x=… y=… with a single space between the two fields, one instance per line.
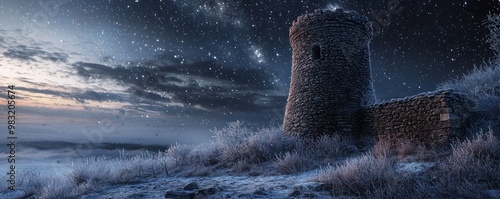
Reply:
x=294 y=193
x=260 y=191
x=313 y=186
x=191 y=186
x=309 y=195
x=352 y=149
x=180 y=194
x=191 y=190
x=307 y=189
x=207 y=192
x=136 y=195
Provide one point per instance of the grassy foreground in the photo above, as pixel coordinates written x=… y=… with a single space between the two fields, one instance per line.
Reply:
x=465 y=169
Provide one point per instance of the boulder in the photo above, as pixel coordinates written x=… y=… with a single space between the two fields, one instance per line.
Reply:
x=191 y=191
x=191 y=186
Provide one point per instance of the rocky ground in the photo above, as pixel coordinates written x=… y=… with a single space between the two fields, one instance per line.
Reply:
x=222 y=186
x=281 y=186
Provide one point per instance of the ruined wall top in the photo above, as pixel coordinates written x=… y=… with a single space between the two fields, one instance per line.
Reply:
x=447 y=93
x=324 y=18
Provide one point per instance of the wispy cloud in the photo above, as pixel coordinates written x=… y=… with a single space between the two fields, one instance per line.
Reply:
x=30 y=53
x=204 y=85
x=81 y=97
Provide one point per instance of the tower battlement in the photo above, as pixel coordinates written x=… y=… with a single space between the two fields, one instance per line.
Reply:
x=326 y=18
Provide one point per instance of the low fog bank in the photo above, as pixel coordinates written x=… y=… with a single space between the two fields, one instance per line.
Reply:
x=58 y=157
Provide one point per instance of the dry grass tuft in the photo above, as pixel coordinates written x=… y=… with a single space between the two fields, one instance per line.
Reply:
x=359 y=176
x=290 y=162
x=406 y=148
x=382 y=148
x=474 y=160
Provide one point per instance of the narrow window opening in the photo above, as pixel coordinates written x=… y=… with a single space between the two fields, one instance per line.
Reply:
x=316 y=52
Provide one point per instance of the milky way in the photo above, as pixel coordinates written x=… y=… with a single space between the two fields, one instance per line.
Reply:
x=423 y=44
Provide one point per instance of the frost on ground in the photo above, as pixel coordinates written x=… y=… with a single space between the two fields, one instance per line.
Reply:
x=414 y=167
x=280 y=186
x=273 y=165
x=239 y=162
x=242 y=163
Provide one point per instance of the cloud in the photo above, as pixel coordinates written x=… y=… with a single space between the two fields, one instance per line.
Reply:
x=202 y=85
x=80 y=97
x=29 y=53
x=3 y=95
x=97 y=96
x=2 y=41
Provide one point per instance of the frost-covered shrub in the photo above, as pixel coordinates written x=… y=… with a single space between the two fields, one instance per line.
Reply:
x=92 y=175
x=204 y=154
x=31 y=182
x=474 y=160
x=405 y=148
x=290 y=162
x=141 y=166
x=479 y=83
x=230 y=141
x=56 y=188
x=179 y=152
x=483 y=145
x=95 y=170
x=360 y=176
x=236 y=143
x=232 y=135
x=238 y=147
x=264 y=144
x=234 y=146
x=489 y=110
x=482 y=84
x=101 y=171
x=382 y=148
x=493 y=24
x=187 y=155
x=470 y=169
x=327 y=146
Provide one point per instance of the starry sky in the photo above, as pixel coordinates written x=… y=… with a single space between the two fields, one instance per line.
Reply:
x=146 y=71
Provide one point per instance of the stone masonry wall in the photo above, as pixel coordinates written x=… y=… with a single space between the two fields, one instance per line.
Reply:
x=432 y=118
x=331 y=87
x=331 y=75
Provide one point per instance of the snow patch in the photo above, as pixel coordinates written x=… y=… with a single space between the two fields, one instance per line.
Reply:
x=414 y=167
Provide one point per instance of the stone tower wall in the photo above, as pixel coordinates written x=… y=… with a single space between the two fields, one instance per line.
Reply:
x=331 y=75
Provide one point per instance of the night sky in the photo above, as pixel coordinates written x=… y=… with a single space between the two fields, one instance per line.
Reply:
x=148 y=71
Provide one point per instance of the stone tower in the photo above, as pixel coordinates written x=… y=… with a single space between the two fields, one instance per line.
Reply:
x=331 y=75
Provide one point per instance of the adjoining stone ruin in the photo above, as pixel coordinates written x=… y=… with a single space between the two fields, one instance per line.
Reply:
x=331 y=88
x=431 y=118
